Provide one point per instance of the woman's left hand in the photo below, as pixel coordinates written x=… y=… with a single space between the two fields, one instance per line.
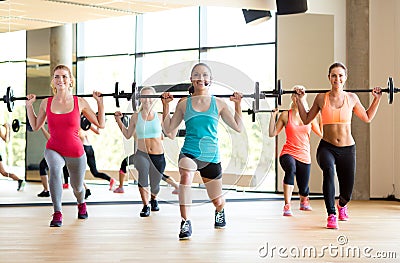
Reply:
x=97 y=96
x=236 y=97
x=377 y=92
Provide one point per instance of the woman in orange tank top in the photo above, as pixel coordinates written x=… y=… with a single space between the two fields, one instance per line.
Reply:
x=295 y=156
x=336 y=152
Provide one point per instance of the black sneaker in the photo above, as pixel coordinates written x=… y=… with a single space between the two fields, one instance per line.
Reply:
x=21 y=185
x=44 y=193
x=145 y=211
x=87 y=193
x=186 y=230
x=220 y=219
x=154 y=205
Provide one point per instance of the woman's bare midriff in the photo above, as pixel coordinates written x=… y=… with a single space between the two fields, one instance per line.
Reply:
x=151 y=145
x=338 y=134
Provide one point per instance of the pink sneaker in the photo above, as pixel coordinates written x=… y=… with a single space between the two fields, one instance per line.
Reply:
x=305 y=205
x=287 y=211
x=82 y=212
x=332 y=222
x=112 y=183
x=343 y=216
x=57 y=219
x=119 y=190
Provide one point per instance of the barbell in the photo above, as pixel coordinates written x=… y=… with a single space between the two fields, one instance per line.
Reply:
x=278 y=91
x=9 y=98
x=136 y=96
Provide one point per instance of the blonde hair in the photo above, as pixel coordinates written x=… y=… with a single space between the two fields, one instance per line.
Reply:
x=62 y=67
x=143 y=89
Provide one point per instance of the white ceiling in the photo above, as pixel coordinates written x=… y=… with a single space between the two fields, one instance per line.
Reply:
x=18 y=15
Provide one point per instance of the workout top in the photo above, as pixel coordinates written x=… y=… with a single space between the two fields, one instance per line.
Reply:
x=297 y=140
x=201 y=139
x=148 y=129
x=330 y=115
x=64 y=131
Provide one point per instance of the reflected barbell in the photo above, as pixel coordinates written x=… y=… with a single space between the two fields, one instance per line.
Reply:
x=278 y=91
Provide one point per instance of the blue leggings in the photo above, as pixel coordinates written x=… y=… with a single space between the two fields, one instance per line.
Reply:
x=76 y=167
x=344 y=158
x=292 y=168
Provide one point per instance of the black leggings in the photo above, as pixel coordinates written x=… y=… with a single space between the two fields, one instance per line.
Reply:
x=344 y=158
x=292 y=168
x=91 y=161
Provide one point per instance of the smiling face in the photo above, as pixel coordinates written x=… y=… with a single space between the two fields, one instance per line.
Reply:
x=337 y=77
x=201 y=76
x=62 y=79
x=147 y=102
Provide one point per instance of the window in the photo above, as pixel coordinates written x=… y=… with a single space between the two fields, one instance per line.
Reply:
x=161 y=48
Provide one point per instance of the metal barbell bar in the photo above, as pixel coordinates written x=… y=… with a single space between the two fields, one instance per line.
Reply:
x=9 y=98
x=136 y=96
x=278 y=91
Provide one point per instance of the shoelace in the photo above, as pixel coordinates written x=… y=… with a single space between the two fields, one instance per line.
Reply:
x=219 y=217
x=82 y=209
x=185 y=227
x=57 y=216
x=343 y=211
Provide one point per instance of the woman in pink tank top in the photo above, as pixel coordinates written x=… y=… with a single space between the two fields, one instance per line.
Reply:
x=62 y=112
x=295 y=158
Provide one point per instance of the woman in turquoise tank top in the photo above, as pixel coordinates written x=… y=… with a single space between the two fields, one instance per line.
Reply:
x=200 y=152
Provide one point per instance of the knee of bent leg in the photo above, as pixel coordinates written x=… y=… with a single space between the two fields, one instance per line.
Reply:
x=187 y=164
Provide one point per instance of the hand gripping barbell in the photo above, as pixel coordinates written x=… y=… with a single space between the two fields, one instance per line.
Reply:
x=278 y=91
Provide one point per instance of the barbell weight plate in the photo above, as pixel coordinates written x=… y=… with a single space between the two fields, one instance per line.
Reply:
x=15 y=125
x=8 y=99
x=390 y=90
x=256 y=104
x=279 y=92
x=85 y=123
x=116 y=93
x=135 y=98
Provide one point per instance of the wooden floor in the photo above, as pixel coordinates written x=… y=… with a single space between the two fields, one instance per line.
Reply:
x=256 y=232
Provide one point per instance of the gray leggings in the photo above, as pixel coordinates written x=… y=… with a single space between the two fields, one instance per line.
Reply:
x=149 y=166
x=76 y=168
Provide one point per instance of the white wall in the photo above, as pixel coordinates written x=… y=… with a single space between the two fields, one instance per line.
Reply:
x=385 y=62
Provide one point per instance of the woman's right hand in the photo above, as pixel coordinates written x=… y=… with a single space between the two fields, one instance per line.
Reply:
x=31 y=98
x=166 y=97
x=118 y=115
x=299 y=92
